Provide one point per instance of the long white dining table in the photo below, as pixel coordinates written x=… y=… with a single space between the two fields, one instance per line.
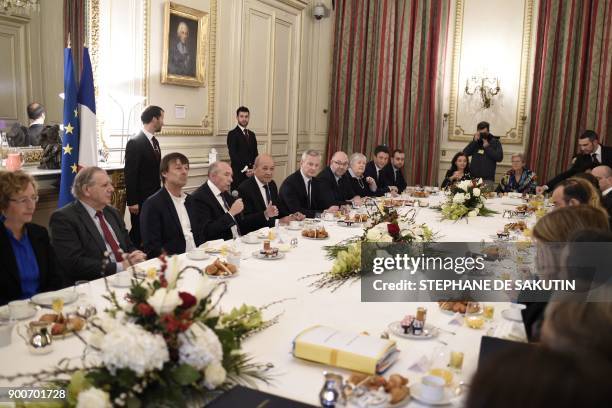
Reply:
x=261 y=282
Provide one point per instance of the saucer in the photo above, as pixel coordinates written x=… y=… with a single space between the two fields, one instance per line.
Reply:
x=429 y=332
x=46 y=299
x=197 y=255
x=415 y=392
x=296 y=228
x=5 y=313
x=261 y=256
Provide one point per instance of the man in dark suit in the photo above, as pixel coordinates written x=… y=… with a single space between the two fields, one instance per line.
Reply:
x=141 y=170
x=604 y=177
x=88 y=235
x=167 y=215
x=36 y=114
x=338 y=181
x=303 y=192
x=261 y=202
x=392 y=172
x=592 y=154
x=374 y=169
x=216 y=213
x=242 y=146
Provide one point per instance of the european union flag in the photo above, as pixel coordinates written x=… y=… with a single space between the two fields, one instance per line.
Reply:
x=70 y=141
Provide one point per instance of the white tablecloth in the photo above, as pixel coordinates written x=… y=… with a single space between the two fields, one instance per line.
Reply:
x=260 y=282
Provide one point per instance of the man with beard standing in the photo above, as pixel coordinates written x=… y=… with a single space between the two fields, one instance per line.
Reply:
x=242 y=146
x=141 y=170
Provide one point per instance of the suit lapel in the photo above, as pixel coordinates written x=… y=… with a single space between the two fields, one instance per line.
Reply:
x=213 y=199
x=171 y=208
x=89 y=224
x=261 y=204
x=112 y=222
x=144 y=140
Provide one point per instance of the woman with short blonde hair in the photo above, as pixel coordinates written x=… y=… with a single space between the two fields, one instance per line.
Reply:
x=26 y=256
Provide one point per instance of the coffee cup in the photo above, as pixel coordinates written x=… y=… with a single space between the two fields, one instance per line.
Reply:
x=250 y=239
x=19 y=309
x=294 y=224
x=329 y=216
x=432 y=388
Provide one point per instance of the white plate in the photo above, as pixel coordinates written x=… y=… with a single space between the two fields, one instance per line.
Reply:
x=429 y=332
x=221 y=276
x=116 y=283
x=415 y=392
x=257 y=240
x=512 y=315
x=353 y=224
x=46 y=299
x=5 y=313
x=198 y=255
x=257 y=255
x=296 y=228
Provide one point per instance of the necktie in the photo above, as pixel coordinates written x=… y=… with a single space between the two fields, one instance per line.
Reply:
x=268 y=197
x=595 y=161
x=227 y=207
x=156 y=148
x=108 y=237
x=395 y=176
x=246 y=135
x=309 y=195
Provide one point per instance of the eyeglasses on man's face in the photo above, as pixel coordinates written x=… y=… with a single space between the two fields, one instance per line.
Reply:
x=340 y=163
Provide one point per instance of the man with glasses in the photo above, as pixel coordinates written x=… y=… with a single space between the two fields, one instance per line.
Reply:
x=88 y=235
x=337 y=180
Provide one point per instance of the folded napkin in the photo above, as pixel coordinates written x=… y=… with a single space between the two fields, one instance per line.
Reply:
x=510 y=331
x=421 y=365
x=457 y=319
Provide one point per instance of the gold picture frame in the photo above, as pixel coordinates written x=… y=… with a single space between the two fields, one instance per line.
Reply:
x=183 y=61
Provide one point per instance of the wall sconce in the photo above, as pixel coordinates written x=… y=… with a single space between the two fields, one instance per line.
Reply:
x=485 y=86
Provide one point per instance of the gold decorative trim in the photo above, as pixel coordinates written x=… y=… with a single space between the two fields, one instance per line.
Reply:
x=93 y=38
x=207 y=121
x=515 y=134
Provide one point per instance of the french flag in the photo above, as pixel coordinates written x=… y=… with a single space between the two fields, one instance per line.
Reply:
x=88 y=149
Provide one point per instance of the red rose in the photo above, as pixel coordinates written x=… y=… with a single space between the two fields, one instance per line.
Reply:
x=171 y=323
x=188 y=300
x=393 y=229
x=145 y=309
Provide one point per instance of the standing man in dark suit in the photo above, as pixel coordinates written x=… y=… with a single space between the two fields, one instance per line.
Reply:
x=167 y=215
x=486 y=151
x=217 y=214
x=142 y=158
x=392 y=172
x=242 y=146
x=88 y=231
x=303 y=192
x=338 y=181
x=375 y=167
x=260 y=194
x=592 y=154
x=36 y=114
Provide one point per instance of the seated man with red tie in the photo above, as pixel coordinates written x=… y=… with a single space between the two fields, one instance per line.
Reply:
x=216 y=214
x=260 y=194
x=88 y=235
x=303 y=192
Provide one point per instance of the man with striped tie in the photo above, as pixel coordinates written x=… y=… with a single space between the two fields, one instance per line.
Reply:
x=217 y=214
x=262 y=206
x=141 y=170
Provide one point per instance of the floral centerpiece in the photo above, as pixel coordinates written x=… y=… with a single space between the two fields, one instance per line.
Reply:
x=161 y=346
x=386 y=225
x=466 y=200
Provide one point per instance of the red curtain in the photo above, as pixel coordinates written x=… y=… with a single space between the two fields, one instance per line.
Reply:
x=572 y=86
x=388 y=65
x=74 y=24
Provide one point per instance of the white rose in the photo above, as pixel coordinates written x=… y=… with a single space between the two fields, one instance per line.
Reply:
x=459 y=198
x=476 y=192
x=479 y=205
x=373 y=235
x=164 y=300
x=93 y=397
x=203 y=288
x=214 y=375
x=463 y=185
x=472 y=213
x=386 y=238
x=467 y=196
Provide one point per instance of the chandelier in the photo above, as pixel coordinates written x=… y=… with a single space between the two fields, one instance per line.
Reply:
x=484 y=86
x=11 y=6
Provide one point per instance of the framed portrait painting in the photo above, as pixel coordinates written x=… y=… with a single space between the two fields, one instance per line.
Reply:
x=185 y=46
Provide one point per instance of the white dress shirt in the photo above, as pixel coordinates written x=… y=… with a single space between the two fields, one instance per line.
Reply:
x=92 y=214
x=217 y=193
x=598 y=154
x=179 y=205
x=262 y=190
x=150 y=137
x=606 y=191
